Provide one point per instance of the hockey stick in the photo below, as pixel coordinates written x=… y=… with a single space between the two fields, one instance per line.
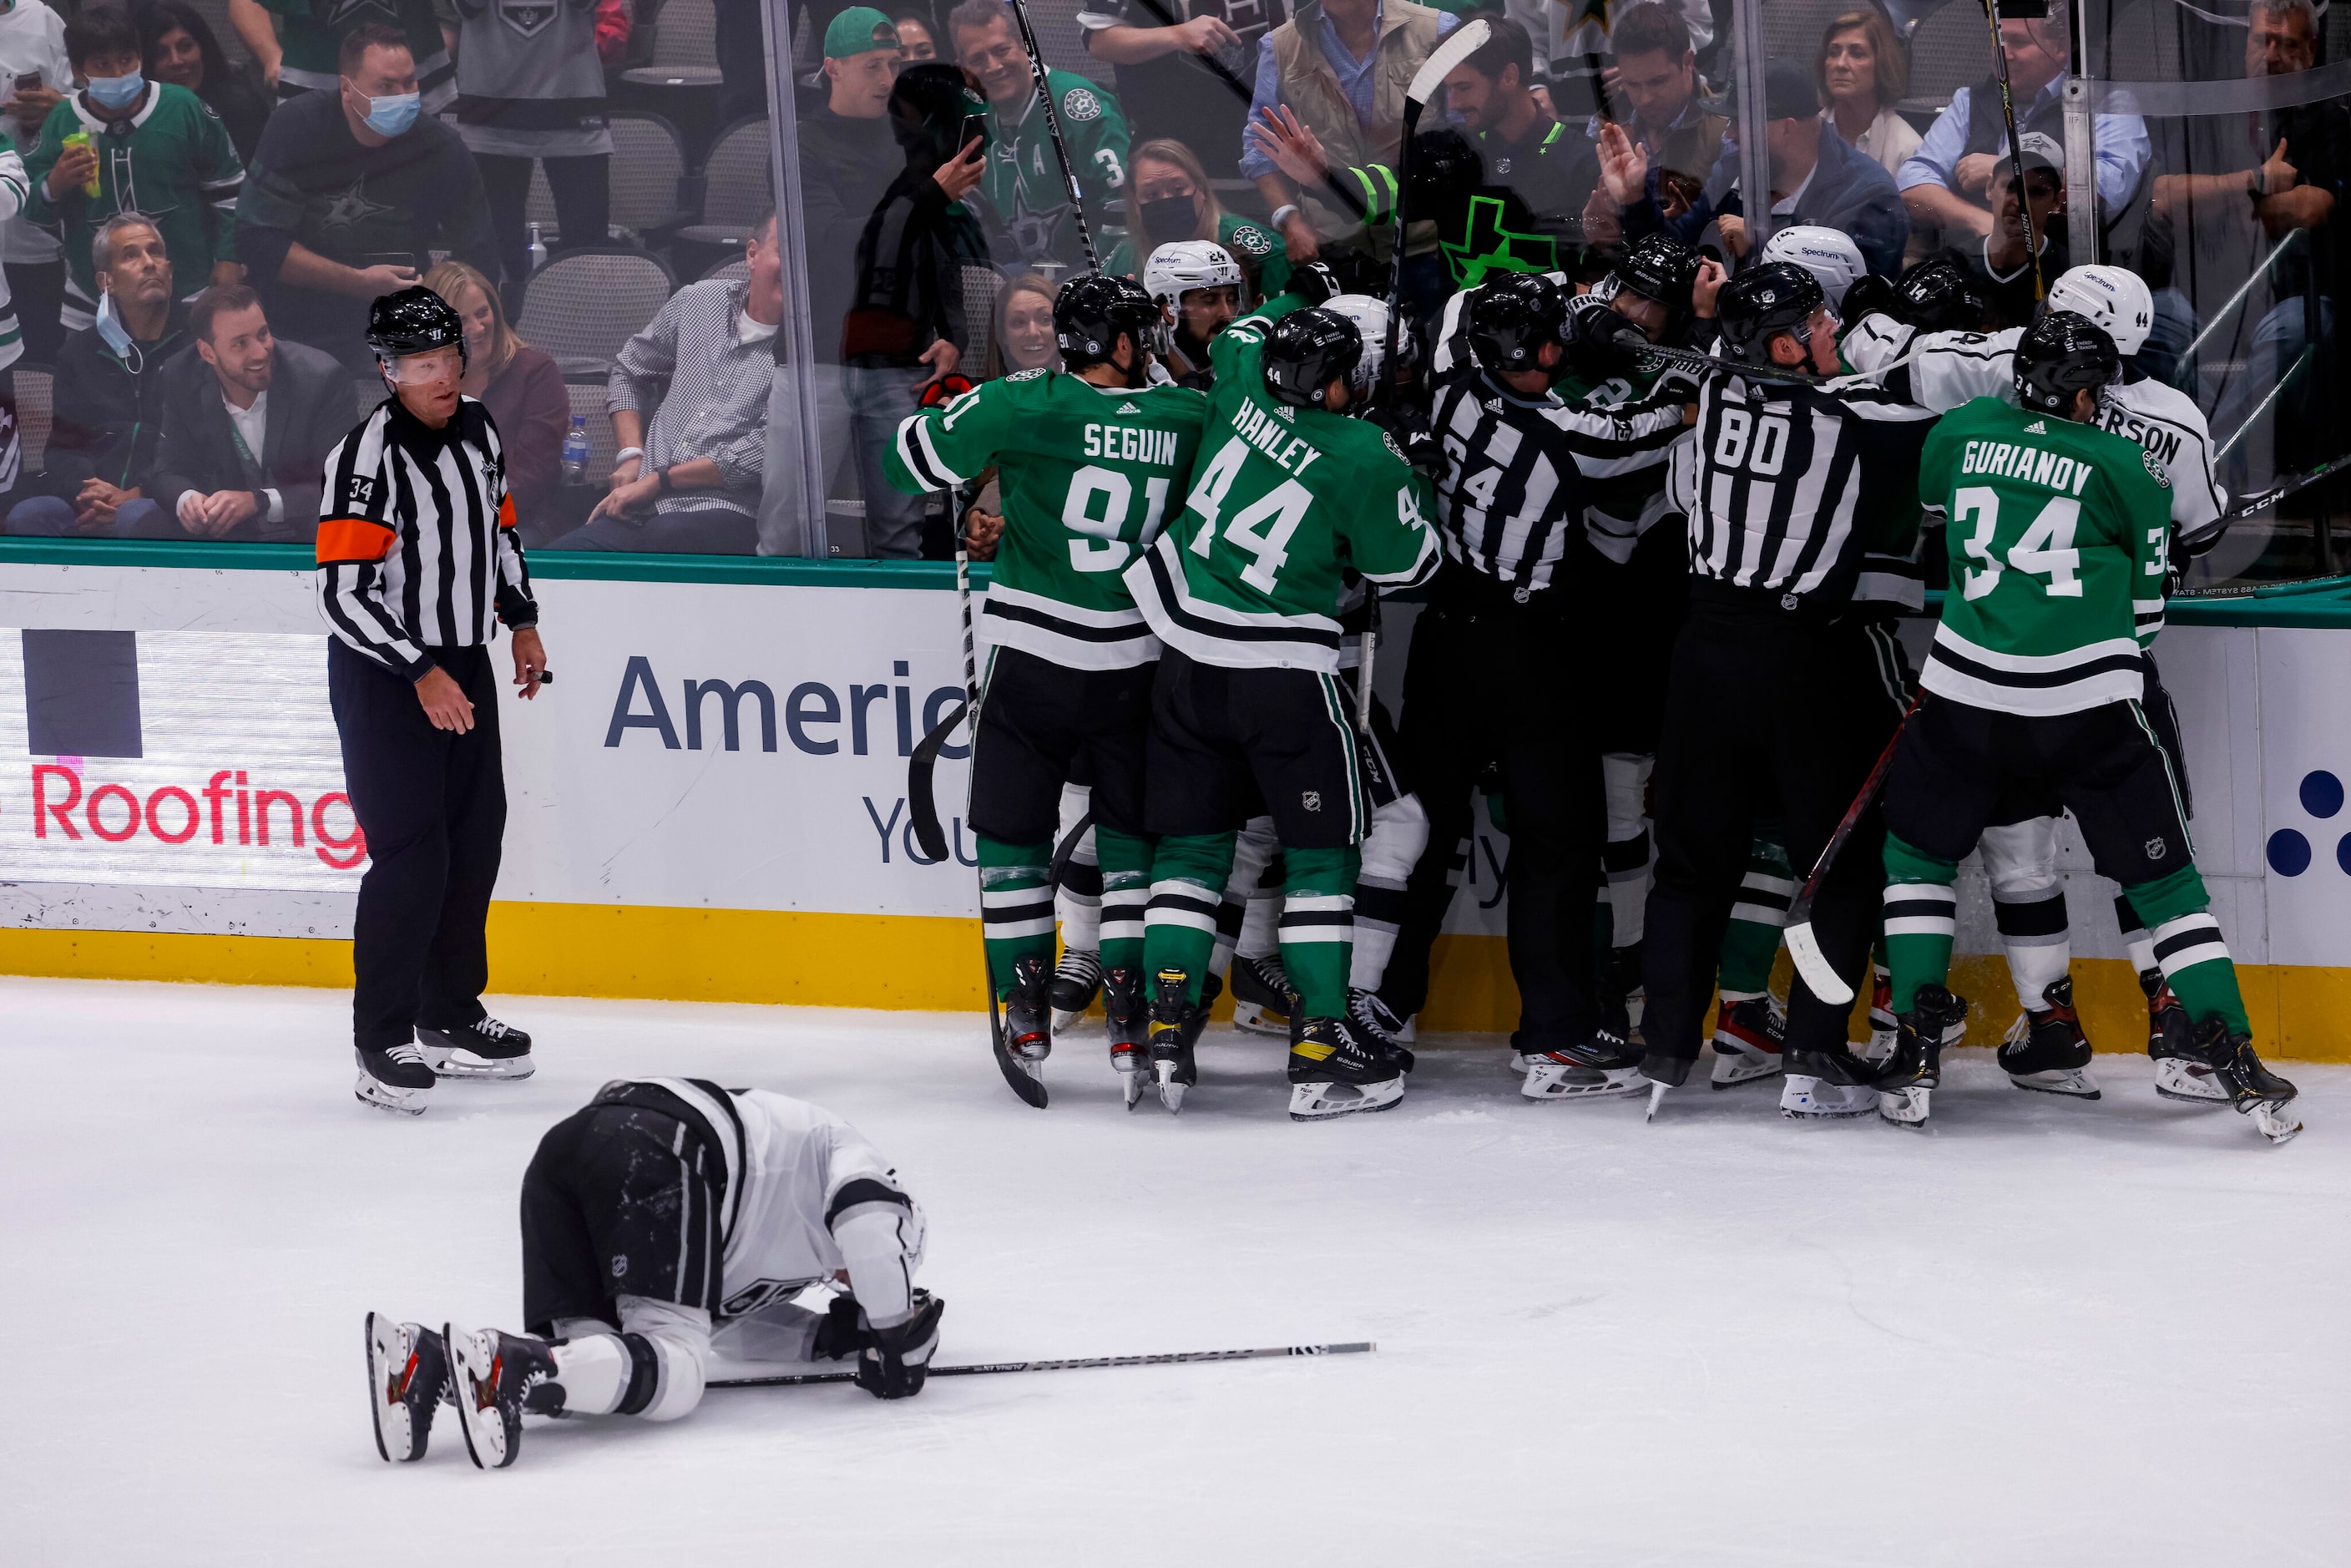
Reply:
x=2015 y=151
x=1803 y=945
x=1371 y=653
x=1463 y=42
x=1053 y=126
x=921 y=809
x=1077 y=1363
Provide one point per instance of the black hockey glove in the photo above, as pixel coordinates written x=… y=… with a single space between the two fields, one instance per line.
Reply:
x=896 y=1360
x=842 y=1332
x=1314 y=282
x=1600 y=343
x=1867 y=293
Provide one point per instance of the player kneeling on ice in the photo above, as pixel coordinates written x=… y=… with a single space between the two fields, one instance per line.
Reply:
x=670 y=1218
x=2059 y=536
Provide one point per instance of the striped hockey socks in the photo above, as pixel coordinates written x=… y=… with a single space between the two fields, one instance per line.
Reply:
x=1318 y=927
x=1921 y=919
x=1188 y=887
x=1015 y=907
x=2189 y=947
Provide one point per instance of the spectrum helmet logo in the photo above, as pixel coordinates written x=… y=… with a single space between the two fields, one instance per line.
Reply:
x=2289 y=850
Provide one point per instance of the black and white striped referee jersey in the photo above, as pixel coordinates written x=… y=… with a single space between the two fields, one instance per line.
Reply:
x=417 y=546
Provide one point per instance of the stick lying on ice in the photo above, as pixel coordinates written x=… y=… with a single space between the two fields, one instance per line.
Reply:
x=983 y=1368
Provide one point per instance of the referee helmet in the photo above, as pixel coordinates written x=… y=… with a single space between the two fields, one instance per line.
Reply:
x=413 y=320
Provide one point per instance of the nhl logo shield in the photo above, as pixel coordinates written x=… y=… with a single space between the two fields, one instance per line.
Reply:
x=2156 y=849
x=1311 y=798
x=528 y=18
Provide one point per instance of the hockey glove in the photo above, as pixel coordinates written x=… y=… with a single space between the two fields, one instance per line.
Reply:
x=947 y=388
x=842 y=1332
x=1315 y=282
x=1867 y=293
x=897 y=1359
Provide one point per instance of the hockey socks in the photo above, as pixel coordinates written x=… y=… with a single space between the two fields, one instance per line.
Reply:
x=1318 y=927
x=2136 y=943
x=1625 y=857
x=2188 y=948
x=2028 y=901
x=1399 y=832
x=1015 y=907
x=1187 y=886
x=1125 y=861
x=1921 y=919
x=1751 y=940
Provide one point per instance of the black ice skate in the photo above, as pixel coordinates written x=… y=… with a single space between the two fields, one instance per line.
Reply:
x=408 y=1377
x=498 y=1376
x=1175 y=1026
x=1077 y=980
x=1914 y=1071
x=1128 y=1025
x=1337 y=1068
x=1826 y=1086
x=394 y=1078
x=1748 y=1039
x=1881 y=1015
x=1596 y=1069
x=2046 y=1050
x=483 y=1049
x=2180 y=1073
x=1023 y=1036
x=1262 y=999
x=1373 y=1017
x=2252 y=1088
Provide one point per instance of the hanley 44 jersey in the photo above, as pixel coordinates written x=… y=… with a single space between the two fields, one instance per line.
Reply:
x=2059 y=537
x=1249 y=575
x=1088 y=475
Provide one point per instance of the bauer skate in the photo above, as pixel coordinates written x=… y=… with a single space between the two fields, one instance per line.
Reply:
x=495 y=1378
x=394 y=1078
x=1129 y=1023
x=1263 y=1001
x=1914 y=1071
x=2252 y=1088
x=1374 y=1018
x=1077 y=980
x=408 y=1379
x=1175 y=1026
x=1826 y=1086
x=1748 y=1038
x=2045 y=1050
x=1597 y=1069
x=1337 y=1068
x=2180 y=1073
x=483 y=1049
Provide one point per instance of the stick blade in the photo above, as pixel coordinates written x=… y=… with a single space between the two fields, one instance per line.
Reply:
x=1017 y=1077
x=1458 y=46
x=921 y=809
x=1814 y=966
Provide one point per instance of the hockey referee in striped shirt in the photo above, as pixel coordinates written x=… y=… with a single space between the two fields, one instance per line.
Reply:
x=417 y=551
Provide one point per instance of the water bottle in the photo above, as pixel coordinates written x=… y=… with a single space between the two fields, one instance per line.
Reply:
x=575 y=452
x=538 y=249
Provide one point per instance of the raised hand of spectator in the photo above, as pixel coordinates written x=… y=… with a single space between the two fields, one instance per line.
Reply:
x=1205 y=35
x=2278 y=175
x=1972 y=177
x=1624 y=165
x=942 y=357
x=959 y=174
x=31 y=106
x=73 y=169
x=1601 y=224
x=1295 y=150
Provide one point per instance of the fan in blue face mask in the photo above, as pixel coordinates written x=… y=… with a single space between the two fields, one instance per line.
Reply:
x=380 y=91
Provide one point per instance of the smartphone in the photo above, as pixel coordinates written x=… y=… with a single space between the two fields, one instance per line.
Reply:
x=28 y=81
x=975 y=129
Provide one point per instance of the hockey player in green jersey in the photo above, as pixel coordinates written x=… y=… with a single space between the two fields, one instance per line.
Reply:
x=1247 y=712
x=1089 y=463
x=1025 y=188
x=2060 y=536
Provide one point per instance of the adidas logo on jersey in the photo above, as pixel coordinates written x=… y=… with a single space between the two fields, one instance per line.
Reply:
x=1128 y=408
x=1284 y=412
x=1494 y=406
x=2038 y=427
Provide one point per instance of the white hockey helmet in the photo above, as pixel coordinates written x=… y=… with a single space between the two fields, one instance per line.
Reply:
x=1177 y=268
x=2114 y=298
x=1370 y=316
x=1827 y=253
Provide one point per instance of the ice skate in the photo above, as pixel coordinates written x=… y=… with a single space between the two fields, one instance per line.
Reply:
x=394 y=1078
x=1262 y=996
x=1599 y=1069
x=2252 y=1088
x=1128 y=1024
x=2180 y=1073
x=1077 y=980
x=494 y=1375
x=2045 y=1050
x=1337 y=1070
x=1881 y=1017
x=1819 y=1087
x=1175 y=1027
x=1914 y=1071
x=1023 y=1036
x=1747 y=1037
x=483 y=1049
x=1370 y=1016
x=408 y=1379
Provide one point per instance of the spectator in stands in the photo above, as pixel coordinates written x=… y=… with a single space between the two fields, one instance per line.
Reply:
x=1169 y=199
x=303 y=52
x=1863 y=72
x=350 y=194
x=523 y=390
x=916 y=41
x=109 y=395
x=1552 y=169
x=539 y=96
x=1340 y=68
x=33 y=45
x=247 y=423
x=1679 y=137
x=147 y=146
x=180 y=49
x=1947 y=183
x=1178 y=62
x=689 y=482
x=849 y=157
x=1026 y=192
x=1997 y=263
x=1024 y=328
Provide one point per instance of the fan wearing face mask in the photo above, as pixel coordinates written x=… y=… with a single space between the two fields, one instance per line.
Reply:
x=126 y=144
x=1169 y=200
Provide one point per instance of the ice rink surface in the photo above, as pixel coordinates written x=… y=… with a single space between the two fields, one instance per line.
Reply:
x=2043 y=1333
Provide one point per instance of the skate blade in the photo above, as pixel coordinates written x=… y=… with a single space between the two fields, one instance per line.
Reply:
x=457 y=1062
x=1906 y=1107
x=2278 y=1123
x=1328 y=1102
x=1131 y=1085
x=2072 y=1083
x=1171 y=1094
x=1063 y=1022
x=2175 y=1081
x=1553 y=1080
x=1881 y=1044
x=1656 y=1098
x=373 y=1091
x=487 y=1448
x=1807 y=1099
x=1732 y=1069
x=387 y=1354
x=1251 y=1018
x=1523 y=1062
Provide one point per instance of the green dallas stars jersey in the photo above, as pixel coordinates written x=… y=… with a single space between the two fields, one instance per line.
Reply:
x=1249 y=575
x=1088 y=475
x=1023 y=183
x=2059 y=536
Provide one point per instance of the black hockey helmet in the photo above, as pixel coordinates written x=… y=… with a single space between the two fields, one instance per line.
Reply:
x=2061 y=354
x=1660 y=267
x=1090 y=313
x=1306 y=351
x=1763 y=302
x=1511 y=317
x=1937 y=296
x=1444 y=173
x=413 y=320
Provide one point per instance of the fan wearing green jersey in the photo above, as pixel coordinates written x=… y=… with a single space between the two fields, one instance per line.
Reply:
x=1091 y=464
x=1248 y=714
x=1026 y=189
x=2060 y=536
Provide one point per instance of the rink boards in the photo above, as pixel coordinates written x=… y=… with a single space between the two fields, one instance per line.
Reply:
x=709 y=803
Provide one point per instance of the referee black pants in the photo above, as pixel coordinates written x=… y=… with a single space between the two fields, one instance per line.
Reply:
x=433 y=807
x=1491 y=682
x=1761 y=705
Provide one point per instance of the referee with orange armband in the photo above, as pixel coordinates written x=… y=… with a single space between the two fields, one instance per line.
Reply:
x=417 y=551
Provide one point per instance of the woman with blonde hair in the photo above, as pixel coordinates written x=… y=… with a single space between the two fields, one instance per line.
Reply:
x=1863 y=73
x=1169 y=199
x=522 y=389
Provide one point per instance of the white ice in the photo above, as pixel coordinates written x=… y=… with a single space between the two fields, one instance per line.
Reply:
x=2043 y=1333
